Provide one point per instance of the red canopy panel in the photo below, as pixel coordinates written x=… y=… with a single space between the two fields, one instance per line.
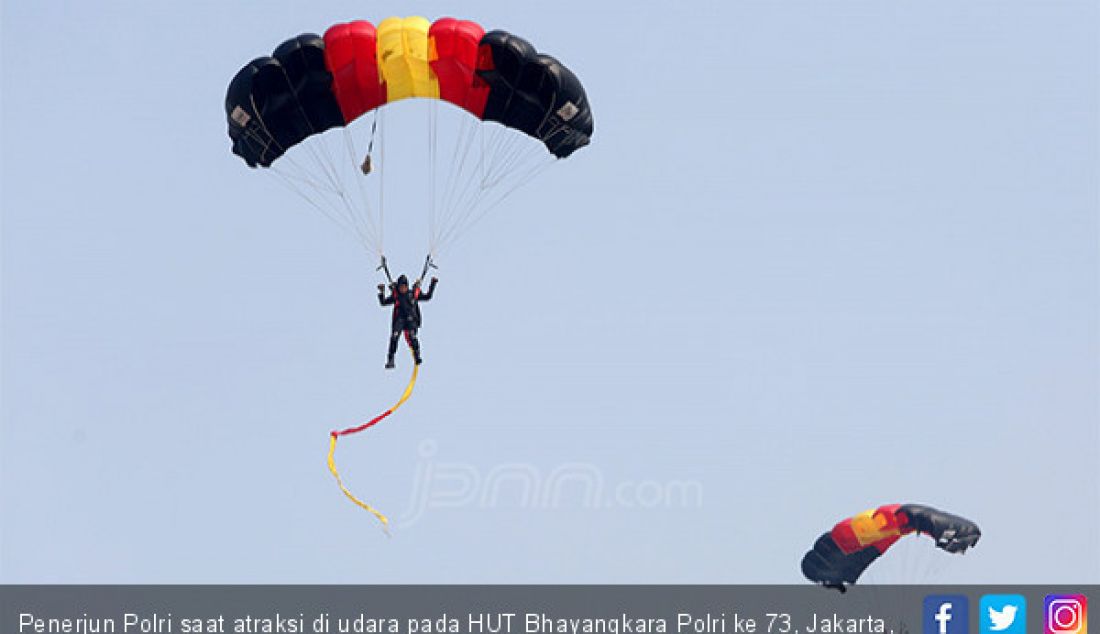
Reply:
x=453 y=58
x=351 y=57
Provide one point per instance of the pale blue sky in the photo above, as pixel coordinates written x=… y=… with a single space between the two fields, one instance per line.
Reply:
x=821 y=255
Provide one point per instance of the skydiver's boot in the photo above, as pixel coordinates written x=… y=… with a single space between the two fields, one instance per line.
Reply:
x=414 y=343
x=389 y=362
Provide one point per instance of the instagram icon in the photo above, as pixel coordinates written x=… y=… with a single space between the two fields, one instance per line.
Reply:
x=1065 y=614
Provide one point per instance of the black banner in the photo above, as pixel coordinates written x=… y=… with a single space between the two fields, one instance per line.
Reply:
x=703 y=609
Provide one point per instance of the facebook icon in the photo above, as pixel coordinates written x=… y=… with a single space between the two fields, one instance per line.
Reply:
x=946 y=614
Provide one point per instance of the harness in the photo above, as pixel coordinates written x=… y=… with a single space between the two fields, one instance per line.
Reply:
x=415 y=307
x=428 y=264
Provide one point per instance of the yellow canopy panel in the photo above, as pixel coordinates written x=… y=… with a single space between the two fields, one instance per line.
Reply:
x=403 y=58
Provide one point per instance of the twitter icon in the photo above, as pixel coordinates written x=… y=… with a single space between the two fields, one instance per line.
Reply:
x=1002 y=614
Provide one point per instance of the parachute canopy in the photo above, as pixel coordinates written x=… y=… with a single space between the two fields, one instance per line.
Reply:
x=313 y=83
x=841 y=555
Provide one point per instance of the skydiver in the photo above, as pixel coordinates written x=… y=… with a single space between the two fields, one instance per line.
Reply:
x=406 y=313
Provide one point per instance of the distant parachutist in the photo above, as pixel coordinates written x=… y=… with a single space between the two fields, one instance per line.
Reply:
x=841 y=555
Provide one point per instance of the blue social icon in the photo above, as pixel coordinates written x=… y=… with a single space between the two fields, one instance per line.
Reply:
x=1002 y=614
x=946 y=614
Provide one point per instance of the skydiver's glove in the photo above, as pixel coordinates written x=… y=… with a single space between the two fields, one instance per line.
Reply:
x=381 y=288
x=435 y=280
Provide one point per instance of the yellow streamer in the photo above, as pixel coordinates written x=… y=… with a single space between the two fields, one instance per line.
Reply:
x=354 y=430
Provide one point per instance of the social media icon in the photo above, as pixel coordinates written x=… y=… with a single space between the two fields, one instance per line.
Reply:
x=1003 y=613
x=946 y=614
x=1065 y=614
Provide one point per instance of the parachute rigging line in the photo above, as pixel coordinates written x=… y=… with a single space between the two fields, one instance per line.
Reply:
x=335 y=435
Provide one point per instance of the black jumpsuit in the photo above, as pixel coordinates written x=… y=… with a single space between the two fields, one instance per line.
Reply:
x=406 y=316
